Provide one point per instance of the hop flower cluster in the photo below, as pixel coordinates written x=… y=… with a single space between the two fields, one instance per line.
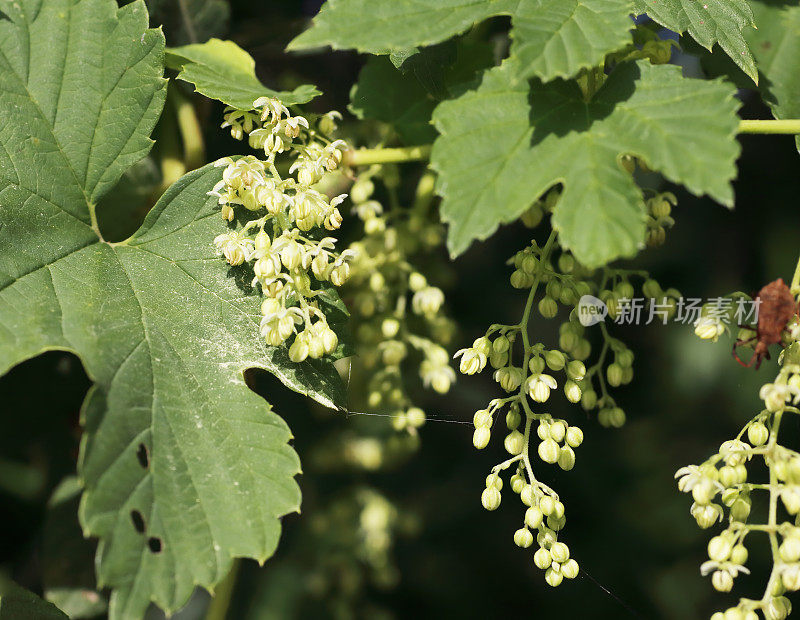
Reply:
x=530 y=373
x=291 y=266
x=400 y=314
x=722 y=491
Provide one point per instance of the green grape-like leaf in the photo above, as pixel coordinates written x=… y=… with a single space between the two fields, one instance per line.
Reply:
x=17 y=603
x=501 y=147
x=223 y=71
x=406 y=97
x=190 y=21
x=551 y=38
x=776 y=45
x=182 y=466
x=708 y=22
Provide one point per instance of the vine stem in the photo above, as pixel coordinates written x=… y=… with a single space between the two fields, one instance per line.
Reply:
x=786 y=126
x=422 y=152
x=367 y=157
x=218 y=609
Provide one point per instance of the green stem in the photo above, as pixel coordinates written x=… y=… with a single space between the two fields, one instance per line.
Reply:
x=218 y=609
x=189 y=127
x=367 y=157
x=398 y=155
x=787 y=126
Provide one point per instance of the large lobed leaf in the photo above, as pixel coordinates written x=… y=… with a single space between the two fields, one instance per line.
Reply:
x=708 y=22
x=776 y=45
x=551 y=38
x=183 y=467
x=17 y=603
x=224 y=71
x=406 y=96
x=501 y=147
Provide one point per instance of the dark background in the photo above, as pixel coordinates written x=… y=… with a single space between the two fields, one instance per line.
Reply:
x=627 y=524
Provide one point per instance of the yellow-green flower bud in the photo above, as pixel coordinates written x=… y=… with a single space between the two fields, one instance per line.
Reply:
x=570 y=569
x=481 y=436
x=490 y=498
x=553 y=577
x=523 y=538
x=572 y=391
x=533 y=517
x=574 y=436
x=548 y=451
x=757 y=434
x=548 y=307
x=542 y=558
x=566 y=458
x=576 y=370
x=555 y=360
x=514 y=442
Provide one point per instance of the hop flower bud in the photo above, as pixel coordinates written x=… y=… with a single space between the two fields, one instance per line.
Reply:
x=791 y=577
x=614 y=374
x=576 y=370
x=513 y=419
x=570 y=569
x=517 y=483
x=417 y=282
x=719 y=548
x=555 y=360
x=757 y=434
x=526 y=495
x=523 y=538
x=709 y=328
x=514 y=442
x=501 y=344
x=558 y=430
x=299 y=349
x=490 y=498
x=739 y=554
x=559 y=552
x=548 y=451
x=533 y=517
x=482 y=417
x=548 y=307
x=789 y=549
x=722 y=581
x=566 y=458
x=415 y=417
x=542 y=558
x=509 y=378
x=481 y=436
x=574 y=436
x=790 y=496
x=572 y=391
x=553 y=577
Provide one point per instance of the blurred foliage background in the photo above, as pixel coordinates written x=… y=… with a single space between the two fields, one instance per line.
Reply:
x=409 y=537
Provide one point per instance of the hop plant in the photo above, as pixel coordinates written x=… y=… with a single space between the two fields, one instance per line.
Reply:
x=530 y=373
x=277 y=238
x=723 y=491
x=400 y=314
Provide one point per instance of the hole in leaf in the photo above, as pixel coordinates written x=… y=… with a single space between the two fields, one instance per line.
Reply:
x=155 y=544
x=143 y=455
x=138 y=521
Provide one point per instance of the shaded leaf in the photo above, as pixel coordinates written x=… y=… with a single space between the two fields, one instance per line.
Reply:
x=190 y=21
x=497 y=154
x=708 y=22
x=551 y=38
x=223 y=71
x=17 y=603
x=405 y=97
x=776 y=45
